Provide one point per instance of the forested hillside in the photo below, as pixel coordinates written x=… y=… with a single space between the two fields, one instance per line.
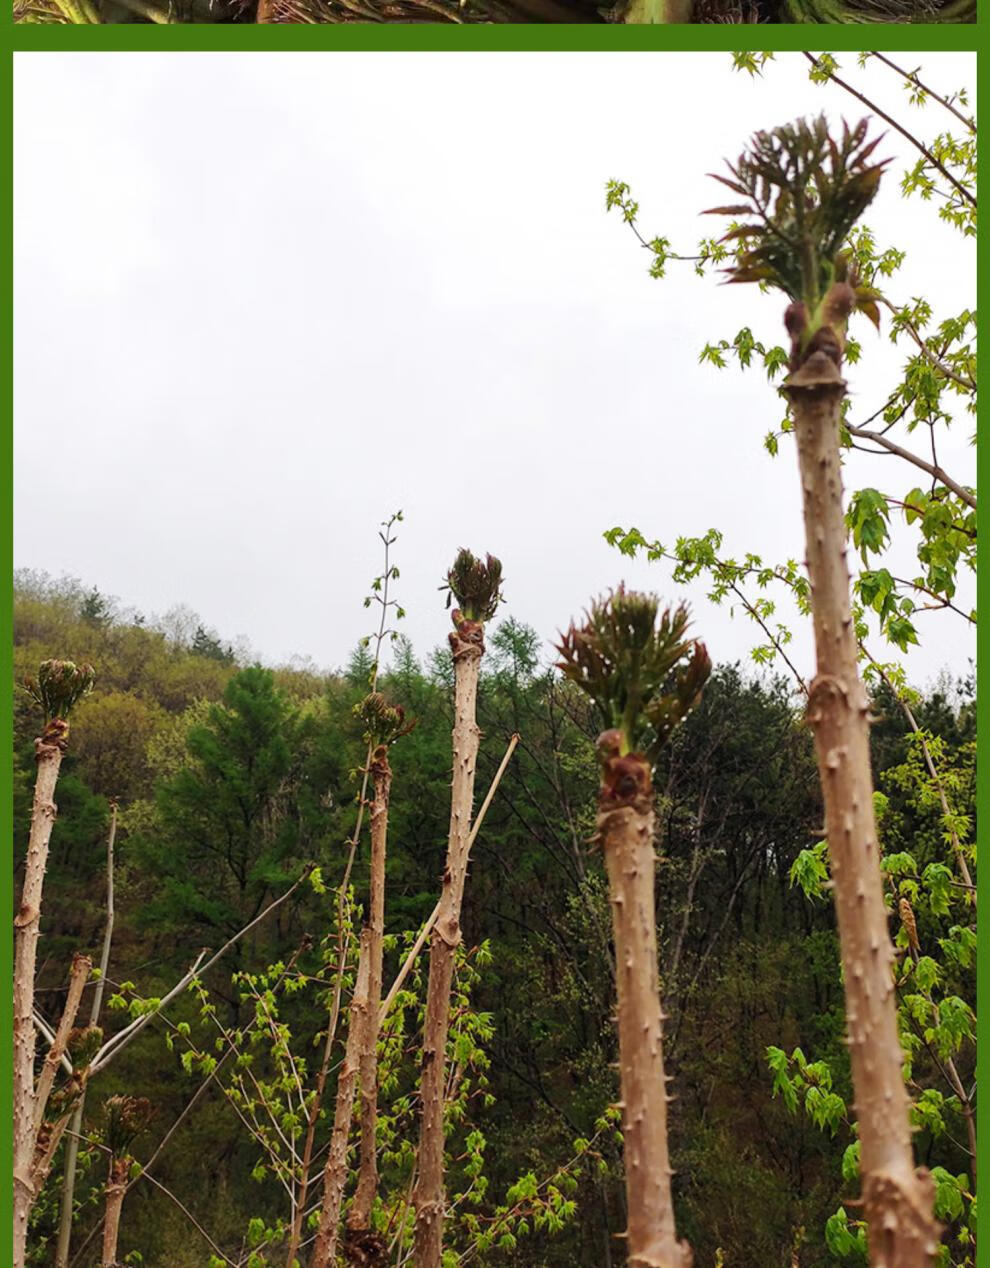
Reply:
x=232 y=780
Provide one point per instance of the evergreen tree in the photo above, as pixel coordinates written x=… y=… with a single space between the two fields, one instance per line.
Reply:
x=96 y=609
x=360 y=665
x=208 y=644
x=230 y=829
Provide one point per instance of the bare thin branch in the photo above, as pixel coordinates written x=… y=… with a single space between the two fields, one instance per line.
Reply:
x=864 y=433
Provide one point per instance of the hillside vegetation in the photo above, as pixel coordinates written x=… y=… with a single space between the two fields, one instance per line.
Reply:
x=232 y=779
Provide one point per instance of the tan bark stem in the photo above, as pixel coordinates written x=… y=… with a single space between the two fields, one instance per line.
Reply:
x=48 y=1135
x=75 y=1127
x=898 y=1200
x=48 y=1035
x=335 y=1171
x=417 y=946
x=467 y=643
x=116 y=1188
x=625 y=830
x=81 y=967
x=49 y=749
x=45 y=1148
x=359 y=1216
x=101 y=981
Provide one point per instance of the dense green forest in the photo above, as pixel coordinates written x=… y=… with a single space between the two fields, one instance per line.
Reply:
x=232 y=778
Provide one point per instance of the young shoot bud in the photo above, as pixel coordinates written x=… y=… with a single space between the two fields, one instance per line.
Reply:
x=384 y=723
x=83 y=1044
x=634 y=661
x=803 y=191
x=475 y=586
x=124 y=1118
x=59 y=686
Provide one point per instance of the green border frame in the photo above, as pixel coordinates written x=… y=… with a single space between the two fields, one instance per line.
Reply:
x=478 y=38
x=451 y=38
x=982 y=721
x=6 y=669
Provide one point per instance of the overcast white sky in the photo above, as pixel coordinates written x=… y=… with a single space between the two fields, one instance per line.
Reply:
x=263 y=300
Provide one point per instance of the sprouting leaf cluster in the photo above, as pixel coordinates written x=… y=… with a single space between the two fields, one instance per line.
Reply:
x=637 y=665
x=475 y=585
x=805 y=191
x=384 y=723
x=84 y=1043
x=124 y=1118
x=59 y=686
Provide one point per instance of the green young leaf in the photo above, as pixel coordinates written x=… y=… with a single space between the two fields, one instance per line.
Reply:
x=850 y=1163
x=949 y=1190
x=926 y=973
x=810 y=872
x=843 y=1239
x=937 y=879
x=782 y=1083
x=927 y=1112
x=868 y=518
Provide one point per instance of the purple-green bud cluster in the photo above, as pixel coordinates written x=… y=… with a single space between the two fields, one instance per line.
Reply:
x=804 y=191
x=635 y=662
x=59 y=686
x=475 y=585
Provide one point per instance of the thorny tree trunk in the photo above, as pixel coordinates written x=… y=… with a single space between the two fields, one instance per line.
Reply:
x=116 y=1188
x=75 y=1127
x=335 y=1172
x=49 y=749
x=897 y=1199
x=625 y=830
x=359 y=1217
x=45 y=1135
x=467 y=644
x=48 y=1132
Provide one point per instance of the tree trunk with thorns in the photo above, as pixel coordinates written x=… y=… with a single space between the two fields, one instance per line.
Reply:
x=625 y=831
x=335 y=1172
x=359 y=1216
x=467 y=645
x=897 y=1199
x=49 y=748
x=75 y=1127
x=115 y=1191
